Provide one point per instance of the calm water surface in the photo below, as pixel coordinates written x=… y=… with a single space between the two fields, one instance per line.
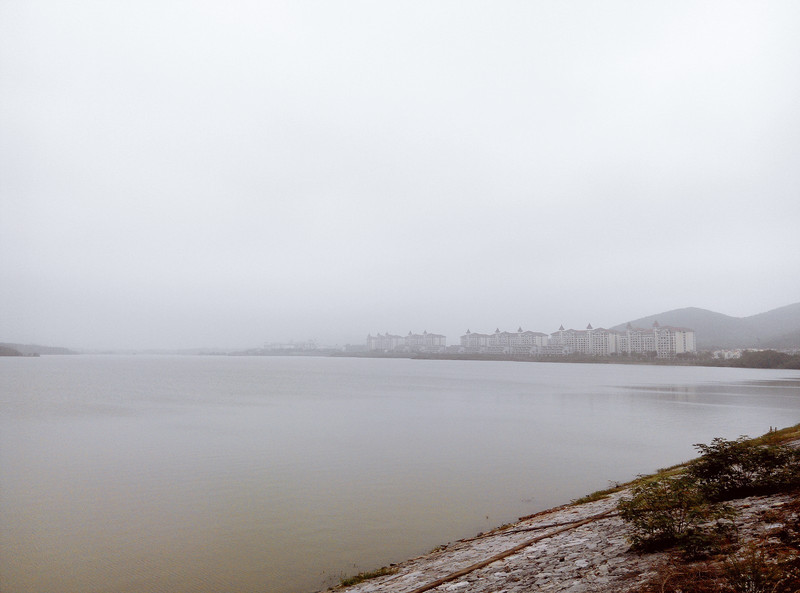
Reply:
x=280 y=474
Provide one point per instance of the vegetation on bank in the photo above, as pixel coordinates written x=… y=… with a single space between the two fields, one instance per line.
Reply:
x=755 y=359
x=764 y=359
x=775 y=437
x=31 y=349
x=685 y=510
x=688 y=513
x=365 y=576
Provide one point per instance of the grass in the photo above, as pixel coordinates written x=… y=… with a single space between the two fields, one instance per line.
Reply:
x=778 y=436
x=599 y=494
x=769 y=562
x=617 y=487
x=773 y=437
x=698 y=575
x=365 y=576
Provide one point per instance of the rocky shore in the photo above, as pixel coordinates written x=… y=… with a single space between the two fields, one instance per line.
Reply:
x=570 y=549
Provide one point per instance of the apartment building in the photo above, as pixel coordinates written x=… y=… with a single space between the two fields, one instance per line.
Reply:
x=663 y=341
x=659 y=340
x=385 y=342
x=474 y=342
x=423 y=342
x=519 y=343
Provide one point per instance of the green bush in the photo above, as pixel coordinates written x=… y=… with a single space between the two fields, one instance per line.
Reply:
x=734 y=469
x=685 y=510
x=669 y=511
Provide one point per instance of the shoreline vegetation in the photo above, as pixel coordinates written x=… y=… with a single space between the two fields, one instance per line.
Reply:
x=8 y=351
x=751 y=359
x=742 y=357
x=728 y=520
x=755 y=359
x=774 y=437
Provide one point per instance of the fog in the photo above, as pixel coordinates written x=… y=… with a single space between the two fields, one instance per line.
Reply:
x=199 y=173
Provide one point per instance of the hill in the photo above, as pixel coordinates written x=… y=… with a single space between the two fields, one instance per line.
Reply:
x=778 y=328
x=32 y=349
x=6 y=351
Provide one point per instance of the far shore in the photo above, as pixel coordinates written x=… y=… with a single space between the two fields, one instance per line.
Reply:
x=752 y=359
x=761 y=359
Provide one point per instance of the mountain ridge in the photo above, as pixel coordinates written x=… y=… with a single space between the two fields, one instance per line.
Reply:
x=778 y=328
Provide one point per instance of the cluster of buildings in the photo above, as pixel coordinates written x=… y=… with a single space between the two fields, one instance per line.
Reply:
x=424 y=342
x=659 y=341
x=307 y=346
x=519 y=343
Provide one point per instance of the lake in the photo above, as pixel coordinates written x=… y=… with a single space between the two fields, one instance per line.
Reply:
x=283 y=474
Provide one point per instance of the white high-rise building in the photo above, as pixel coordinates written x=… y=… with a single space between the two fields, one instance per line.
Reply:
x=384 y=342
x=661 y=341
x=519 y=343
x=423 y=342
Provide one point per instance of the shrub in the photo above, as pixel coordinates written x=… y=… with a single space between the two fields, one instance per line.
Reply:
x=685 y=510
x=731 y=469
x=668 y=511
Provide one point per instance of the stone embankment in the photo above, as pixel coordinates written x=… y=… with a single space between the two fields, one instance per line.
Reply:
x=572 y=549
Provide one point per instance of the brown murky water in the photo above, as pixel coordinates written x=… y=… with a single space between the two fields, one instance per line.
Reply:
x=122 y=474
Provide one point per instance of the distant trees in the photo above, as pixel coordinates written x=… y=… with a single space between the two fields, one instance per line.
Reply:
x=766 y=359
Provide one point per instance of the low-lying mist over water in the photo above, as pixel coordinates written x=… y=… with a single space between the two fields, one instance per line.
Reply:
x=125 y=474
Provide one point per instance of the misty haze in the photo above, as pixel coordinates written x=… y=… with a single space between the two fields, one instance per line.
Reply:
x=184 y=174
x=292 y=290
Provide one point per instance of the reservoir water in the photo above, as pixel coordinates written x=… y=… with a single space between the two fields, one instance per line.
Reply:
x=283 y=474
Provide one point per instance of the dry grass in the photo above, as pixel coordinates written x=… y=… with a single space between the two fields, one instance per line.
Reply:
x=365 y=576
x=781 y=436
x=770 y=564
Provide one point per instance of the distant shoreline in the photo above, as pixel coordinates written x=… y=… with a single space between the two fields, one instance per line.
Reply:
x=766 y=359
x=755 y=359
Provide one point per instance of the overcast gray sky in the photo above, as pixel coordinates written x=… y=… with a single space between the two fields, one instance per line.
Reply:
x=206 y=173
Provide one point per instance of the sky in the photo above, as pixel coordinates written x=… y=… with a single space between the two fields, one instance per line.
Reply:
x=199 y=173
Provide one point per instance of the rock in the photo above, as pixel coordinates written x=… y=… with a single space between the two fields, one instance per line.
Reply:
x=592 y=558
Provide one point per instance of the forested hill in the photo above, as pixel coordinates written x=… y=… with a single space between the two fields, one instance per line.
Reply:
x=779 y=328
x=31 y=349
